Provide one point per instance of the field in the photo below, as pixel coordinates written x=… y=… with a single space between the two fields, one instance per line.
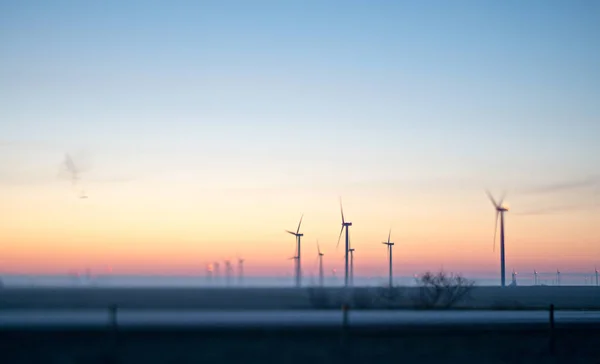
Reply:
x=490 y=343
x=538 y=297
x=493 y=345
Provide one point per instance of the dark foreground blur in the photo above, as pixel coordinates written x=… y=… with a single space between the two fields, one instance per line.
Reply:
x=576 y=344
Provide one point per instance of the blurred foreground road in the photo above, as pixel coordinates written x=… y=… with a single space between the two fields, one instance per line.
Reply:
x=15 y=319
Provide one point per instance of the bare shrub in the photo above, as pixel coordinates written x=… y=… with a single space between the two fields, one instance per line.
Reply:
x=441 y=290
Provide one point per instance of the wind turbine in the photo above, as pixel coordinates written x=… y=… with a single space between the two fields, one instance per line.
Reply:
x=321 y=277
x=240 y=270
x=535 y=277
x=514 y=278
x=389 y=251
x=209 y=272
x=346 y=225
x=557 y=277
x=596 y=271
x=298 y=256
x=500 y=210
x=228 y=271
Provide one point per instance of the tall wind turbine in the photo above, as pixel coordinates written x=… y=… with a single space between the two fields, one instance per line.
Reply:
x=321 y=254
x=389 y=251
x=500 y=210
x=351 y=250
x=298 y=256
x=346 y=225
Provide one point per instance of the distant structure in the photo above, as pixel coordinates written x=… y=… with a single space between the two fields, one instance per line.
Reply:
x=390 y=246
x=352 y=266
x=321 y=254
x=535 y=277
x=240 y=271
x=596 y=271
x=557 y=277
x=298 y=260
x=209 y=272
x=217 y=272
x=514 y=279
x=500 y=210
x=345 y=224
x=228 y=272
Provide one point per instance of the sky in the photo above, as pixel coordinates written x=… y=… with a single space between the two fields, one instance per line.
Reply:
x=204 y=129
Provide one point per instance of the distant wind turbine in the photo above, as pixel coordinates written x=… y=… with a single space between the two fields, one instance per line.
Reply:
x=321 y=254
x=298 y=256
x=557 y=277
x=217 y=271
x=390 y=246
x=535 y=277
x=514 y=278
x=209 y=272
x=500 y=210
x=240 y=271
x=346 y=225
x=228 y=271
x=596 y=271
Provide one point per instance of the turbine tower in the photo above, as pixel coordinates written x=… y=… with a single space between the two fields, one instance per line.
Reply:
x=346 y=225
x=500 y=210
x=321 y=254
x=596 y=271
x=535 y=277
x=298 y=256
x=557 y=277
x=389 y=251
x=514 y=278
x=352 y=266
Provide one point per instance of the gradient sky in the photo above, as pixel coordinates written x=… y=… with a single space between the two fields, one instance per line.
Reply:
x=206 y=128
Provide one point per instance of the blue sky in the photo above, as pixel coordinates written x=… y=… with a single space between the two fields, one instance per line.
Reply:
x=470 y=86
x=402 y=107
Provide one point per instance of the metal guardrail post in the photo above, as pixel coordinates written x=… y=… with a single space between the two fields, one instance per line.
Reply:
x=113 y=317
x=552 y=339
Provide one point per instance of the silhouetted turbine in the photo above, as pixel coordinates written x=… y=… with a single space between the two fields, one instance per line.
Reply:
x=390 y=246
x=346 y=225
x=500 y=210
x=298 y=255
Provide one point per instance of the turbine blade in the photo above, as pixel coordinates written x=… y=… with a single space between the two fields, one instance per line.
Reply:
x=496 y=229
x=318 y=248
x=290 y=232
x=502 y=199
x=341 y=231
x=300 y=223
x=390 y=235
x=492 y=199
x=342 y=211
